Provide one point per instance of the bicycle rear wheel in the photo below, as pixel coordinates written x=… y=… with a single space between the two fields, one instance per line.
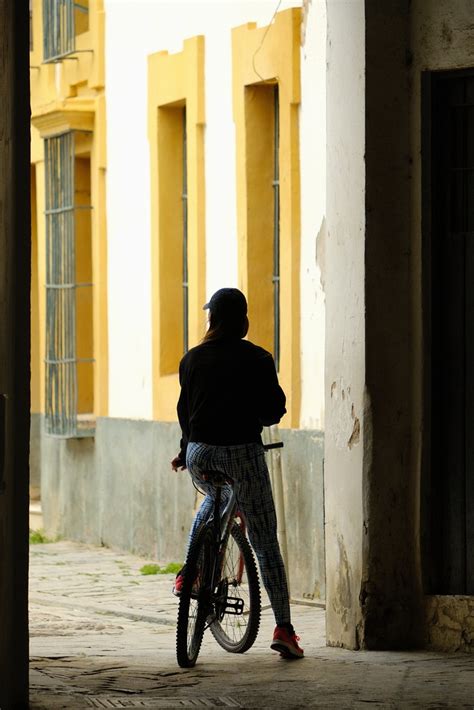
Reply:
x=238 y=590
x=194 y=600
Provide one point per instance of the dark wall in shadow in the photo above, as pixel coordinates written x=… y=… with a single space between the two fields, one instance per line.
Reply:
x=14 y=350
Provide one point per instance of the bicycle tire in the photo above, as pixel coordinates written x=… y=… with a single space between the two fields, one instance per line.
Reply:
x=229 y=631
x=194 y=600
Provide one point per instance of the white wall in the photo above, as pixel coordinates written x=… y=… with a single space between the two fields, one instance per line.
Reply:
x=313 y=209
x=135 y=29
x=345 y=325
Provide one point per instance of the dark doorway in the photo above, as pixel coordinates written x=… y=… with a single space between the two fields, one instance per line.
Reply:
x=448 y=160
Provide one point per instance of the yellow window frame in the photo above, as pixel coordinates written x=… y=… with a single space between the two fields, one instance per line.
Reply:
x=265 y=56
x=89 y=115
x=175 y=81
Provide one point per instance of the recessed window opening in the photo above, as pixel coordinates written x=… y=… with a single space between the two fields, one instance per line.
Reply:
x=262 y=174
x=62 y=21
x=176 y=113
x=69 y=312
x=266 y=112
x=173 y=204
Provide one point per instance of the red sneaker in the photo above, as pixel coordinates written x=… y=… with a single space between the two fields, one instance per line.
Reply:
x=285 y=641
x=178 y=583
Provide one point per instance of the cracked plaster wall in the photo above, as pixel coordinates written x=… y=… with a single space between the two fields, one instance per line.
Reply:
x=449 y=623
x=442 y=38
x=374 y=327
x=390 y=596
x=343 y=276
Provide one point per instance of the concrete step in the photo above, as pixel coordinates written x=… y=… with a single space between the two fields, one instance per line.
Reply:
x=36 y=515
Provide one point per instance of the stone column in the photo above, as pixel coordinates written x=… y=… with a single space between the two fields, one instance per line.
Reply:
x=372 y=377
x=345 y=324
x=14 y=350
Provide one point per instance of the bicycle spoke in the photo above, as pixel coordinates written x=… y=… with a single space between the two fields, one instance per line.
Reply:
x=236 y=591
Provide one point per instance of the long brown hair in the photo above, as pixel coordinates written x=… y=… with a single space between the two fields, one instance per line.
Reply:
x=226 y=328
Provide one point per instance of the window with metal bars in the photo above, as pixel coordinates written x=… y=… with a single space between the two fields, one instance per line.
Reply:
x=62 y=21
x=262 y=215
x=69 y=317
x=174 y=262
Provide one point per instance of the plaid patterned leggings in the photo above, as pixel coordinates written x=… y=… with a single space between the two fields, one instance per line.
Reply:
x=245 y=464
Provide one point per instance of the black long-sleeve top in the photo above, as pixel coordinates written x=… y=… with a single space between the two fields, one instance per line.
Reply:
x=229 y=390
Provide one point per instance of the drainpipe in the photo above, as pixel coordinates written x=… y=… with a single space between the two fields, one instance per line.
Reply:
x=271 y=435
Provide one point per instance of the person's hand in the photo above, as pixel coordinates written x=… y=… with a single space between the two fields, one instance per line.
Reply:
x=177 y=464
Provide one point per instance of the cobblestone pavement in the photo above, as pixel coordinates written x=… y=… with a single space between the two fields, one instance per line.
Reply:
x=103 y=636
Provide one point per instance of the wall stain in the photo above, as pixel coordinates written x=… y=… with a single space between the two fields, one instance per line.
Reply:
x=342 y=601
x=355 y=436
x=347 y=426
x=446 y=33
x=449 y=623
x=306 y=4
x=321 y=253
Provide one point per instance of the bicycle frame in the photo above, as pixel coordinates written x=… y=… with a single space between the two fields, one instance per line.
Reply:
x=214 y=571
x=221 y=522
x=221 y=530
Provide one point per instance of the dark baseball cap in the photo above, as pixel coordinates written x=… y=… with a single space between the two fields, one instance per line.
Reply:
x=227 y=302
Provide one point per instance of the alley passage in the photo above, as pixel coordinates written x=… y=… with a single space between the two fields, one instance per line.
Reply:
x=103 y=635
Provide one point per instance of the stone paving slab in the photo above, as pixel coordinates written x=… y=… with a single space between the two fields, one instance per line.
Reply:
x=103 y=636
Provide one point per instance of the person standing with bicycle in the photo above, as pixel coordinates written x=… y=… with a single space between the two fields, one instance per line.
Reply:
x=229 y=391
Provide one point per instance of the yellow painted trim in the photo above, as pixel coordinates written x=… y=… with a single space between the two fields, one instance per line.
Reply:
x=258 y=59
x=83 y=72
x=175 y=80
x=99 y=263
x=70 y=96
x=66 y=118
x=35 y=304
x=41 y=267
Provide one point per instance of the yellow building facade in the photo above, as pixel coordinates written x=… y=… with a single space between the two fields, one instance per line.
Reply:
x=68 y=153
x=279 y=153
x=176 y=176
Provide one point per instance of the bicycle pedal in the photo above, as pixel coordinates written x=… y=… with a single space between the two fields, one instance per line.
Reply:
x=234 y=605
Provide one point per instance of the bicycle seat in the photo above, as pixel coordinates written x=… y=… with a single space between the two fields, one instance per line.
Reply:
x=217 y=478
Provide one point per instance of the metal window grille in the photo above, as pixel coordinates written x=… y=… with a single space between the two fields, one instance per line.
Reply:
x=31 y=24
x=61 y=347
x=276 y=229
x=59 y=28
x=185 y=238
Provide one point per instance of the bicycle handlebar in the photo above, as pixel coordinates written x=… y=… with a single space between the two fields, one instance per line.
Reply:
x=275 y=445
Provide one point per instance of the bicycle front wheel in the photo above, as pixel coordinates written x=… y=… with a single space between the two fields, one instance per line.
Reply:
x=237 y=598
x=195 y=599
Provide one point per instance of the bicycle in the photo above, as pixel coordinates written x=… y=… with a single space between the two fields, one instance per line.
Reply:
x=221 y=588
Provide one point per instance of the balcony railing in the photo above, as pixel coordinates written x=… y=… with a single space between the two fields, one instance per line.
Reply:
x=62 y=21
x=62 y=360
